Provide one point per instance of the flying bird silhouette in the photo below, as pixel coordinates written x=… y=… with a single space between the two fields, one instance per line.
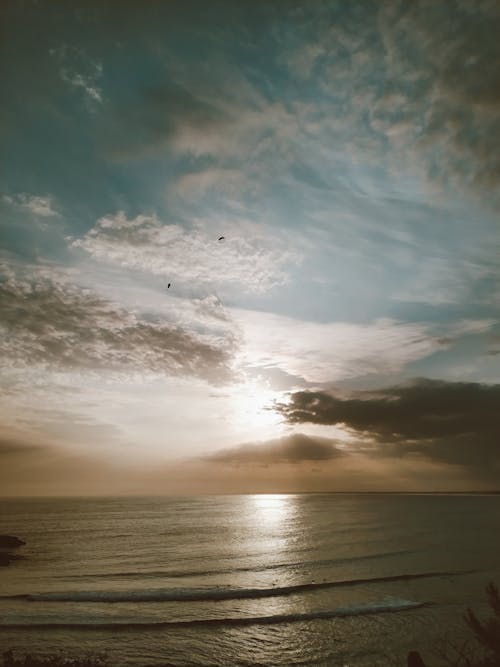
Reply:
x=221 y=238
x=168 y=286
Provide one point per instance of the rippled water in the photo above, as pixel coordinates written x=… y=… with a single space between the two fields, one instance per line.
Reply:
x=274 y=580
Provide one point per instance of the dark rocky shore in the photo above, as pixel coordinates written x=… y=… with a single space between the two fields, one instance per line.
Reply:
x=8 y=542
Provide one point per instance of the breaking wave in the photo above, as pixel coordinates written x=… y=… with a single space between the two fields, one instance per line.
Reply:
x=384 y=607
x=214 y=594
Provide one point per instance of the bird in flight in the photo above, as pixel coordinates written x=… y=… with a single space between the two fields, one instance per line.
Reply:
x=221 y=238
x=168 y=286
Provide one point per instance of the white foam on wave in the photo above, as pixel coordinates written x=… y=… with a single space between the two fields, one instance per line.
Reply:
x=388 y=605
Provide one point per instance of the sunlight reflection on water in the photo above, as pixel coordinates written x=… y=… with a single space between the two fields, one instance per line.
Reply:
x=273 y=516
x=272 y=509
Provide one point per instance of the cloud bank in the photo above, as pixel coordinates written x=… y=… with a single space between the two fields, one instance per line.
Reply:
x=450 y=422
x=295 y=448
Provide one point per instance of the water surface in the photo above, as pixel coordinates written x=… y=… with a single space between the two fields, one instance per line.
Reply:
x=319 y=579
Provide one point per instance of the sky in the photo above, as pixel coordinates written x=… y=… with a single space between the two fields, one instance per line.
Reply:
x=343 y=335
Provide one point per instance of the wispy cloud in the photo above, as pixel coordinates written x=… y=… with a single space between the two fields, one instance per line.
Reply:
x=86 y=83
x=221 y=180
x=334 y=351
x=161 y=116
x=79 y=71
x=38 y=205
x=424 y=76
x=454 y=61
x=191 y=259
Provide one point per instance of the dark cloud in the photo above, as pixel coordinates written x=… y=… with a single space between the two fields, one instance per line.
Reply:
x=455 y=422
x=293 y=448
x=61 y=326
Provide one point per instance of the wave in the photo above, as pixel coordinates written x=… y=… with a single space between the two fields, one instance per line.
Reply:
x=215 y=594
x=384 y=607
x=179 y=574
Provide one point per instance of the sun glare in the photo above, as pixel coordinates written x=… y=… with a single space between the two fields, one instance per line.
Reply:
x=252 y=404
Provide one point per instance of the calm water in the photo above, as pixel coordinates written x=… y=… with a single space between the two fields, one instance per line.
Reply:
x=247 y=580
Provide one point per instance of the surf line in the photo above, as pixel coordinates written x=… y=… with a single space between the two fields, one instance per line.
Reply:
x=216 y=594
x=363 y=610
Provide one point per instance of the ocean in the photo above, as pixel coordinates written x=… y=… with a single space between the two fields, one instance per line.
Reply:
x=309 y=579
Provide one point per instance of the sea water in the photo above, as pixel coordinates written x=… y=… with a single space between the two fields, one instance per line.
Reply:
x=275 y=580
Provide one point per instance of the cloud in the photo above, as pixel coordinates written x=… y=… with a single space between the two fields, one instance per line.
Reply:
x=295 y=448
x=424 y=75
x=441 y=60
x=333 y=351
x=218 y=112
x=450 y=52
x=42 y=206
x=452 y=422
x=157 y=116
x=87 y=84
x=444 y=280
x=49 y=321
x=368 y=77
x=79 y=71
x=191 y=259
